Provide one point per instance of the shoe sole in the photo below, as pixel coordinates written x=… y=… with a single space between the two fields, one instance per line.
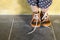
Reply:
x=46 y=24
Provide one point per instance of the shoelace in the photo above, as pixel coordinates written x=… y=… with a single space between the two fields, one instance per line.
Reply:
x=35 y=17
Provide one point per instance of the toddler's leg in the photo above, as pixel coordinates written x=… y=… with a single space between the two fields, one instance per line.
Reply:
x=45 y=18
x=34 y=8
x=33 y=5
x=35 y=16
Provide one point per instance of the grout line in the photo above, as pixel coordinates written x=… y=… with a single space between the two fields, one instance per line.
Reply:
x=53 y=32
x=11 y=30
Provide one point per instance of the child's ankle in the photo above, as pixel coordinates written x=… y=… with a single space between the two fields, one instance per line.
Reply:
x=36 y=12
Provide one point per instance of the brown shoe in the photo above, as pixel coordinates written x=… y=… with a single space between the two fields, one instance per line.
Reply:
x=35 y=20
x=45 y=22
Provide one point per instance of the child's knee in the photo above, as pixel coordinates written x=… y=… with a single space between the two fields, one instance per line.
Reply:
x=34 y=8
x=45 y=10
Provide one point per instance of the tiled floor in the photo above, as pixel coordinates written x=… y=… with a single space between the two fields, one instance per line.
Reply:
x=17 y=27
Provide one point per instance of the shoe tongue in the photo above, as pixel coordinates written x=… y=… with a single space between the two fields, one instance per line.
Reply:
x=36 y=16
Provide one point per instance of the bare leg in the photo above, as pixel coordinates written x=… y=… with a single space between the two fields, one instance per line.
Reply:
x=34 y=8
x=44 y=10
